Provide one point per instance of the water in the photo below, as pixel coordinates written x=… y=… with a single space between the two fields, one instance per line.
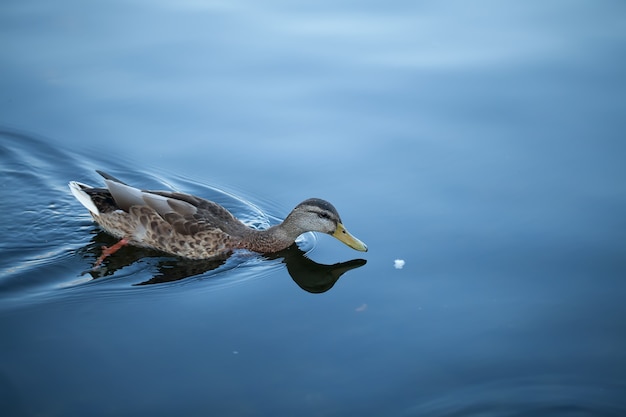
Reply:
x=482 y=144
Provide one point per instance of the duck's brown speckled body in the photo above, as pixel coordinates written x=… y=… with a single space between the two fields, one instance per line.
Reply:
x=195 y=228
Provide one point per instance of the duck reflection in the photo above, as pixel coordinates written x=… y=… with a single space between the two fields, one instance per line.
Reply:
x=311 y=276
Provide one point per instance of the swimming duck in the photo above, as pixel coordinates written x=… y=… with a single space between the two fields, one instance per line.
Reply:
x=195 y=228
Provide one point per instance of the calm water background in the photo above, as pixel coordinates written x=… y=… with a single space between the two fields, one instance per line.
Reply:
x=483 y=143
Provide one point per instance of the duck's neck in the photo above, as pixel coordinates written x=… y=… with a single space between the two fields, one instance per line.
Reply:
x=274 y=239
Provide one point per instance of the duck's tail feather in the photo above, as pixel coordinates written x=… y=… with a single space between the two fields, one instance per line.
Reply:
x=77 y=190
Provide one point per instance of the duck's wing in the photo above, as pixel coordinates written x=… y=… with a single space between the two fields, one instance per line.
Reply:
x=190 y=214
x=124 y=195
x=186 y=213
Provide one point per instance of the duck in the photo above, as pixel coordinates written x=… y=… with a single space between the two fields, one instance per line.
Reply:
x=192 y=227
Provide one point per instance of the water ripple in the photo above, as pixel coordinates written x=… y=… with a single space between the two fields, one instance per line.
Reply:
x=50 y=242
x=550 y=395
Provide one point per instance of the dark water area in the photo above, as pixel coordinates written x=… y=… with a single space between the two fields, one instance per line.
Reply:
x=482 y=145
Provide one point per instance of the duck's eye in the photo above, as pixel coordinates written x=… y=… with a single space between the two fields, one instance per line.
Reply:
x=323 y=215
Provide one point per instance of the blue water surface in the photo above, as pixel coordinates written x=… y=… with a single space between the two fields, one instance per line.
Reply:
x=482 y=143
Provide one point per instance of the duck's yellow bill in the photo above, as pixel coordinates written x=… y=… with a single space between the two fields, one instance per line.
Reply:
x=342 y=234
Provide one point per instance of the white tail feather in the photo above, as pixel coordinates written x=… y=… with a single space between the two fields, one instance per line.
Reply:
x=77 y=190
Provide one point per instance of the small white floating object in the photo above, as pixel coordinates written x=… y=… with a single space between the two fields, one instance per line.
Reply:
x=398 y=263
